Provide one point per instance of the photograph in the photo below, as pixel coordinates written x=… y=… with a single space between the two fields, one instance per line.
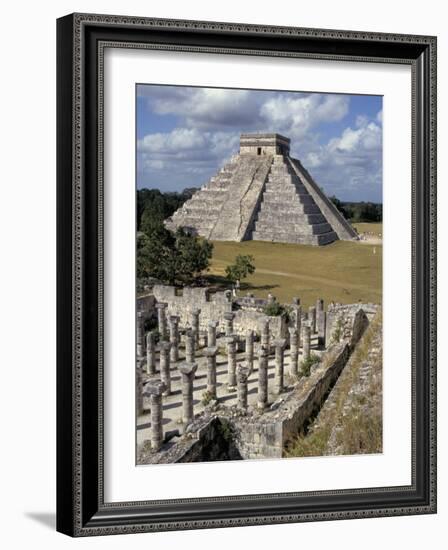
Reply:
x=259 y=274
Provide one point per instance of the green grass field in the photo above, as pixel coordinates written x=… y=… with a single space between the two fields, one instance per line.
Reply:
x=343 y=271
x=375 y=228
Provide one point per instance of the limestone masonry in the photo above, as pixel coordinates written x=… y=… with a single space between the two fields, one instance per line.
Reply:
x=263 y=194
x=218 y=379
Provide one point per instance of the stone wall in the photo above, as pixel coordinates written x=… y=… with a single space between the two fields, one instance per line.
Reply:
x=183 y=302
x=146 y=304
x=221 y=432
x=213 y=306
x=341 y=318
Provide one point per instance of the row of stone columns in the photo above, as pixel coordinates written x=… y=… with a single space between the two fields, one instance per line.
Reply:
x=237 y=376
x=155 y=389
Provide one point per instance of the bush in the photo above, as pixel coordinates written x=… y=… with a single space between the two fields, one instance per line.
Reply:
x=305 y=367
x=242 y=267
x=274 y=309
x=207 y=397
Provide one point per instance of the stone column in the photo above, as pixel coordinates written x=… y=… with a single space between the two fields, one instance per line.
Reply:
x=312 y=319
x=250 y=348
x=161 y=318
x=322 y=329
x=140 y=325
x=320 y=322
x=139 y=388
x=265 y=334
x=279 y=344
x=189 y=346
x=294 y=351
x=262 y=378
x=150 y=353
x=297 y=317
x=211 y=334
x=187 y=371
x=165 y=372
x=242 y=374
x=306 y=342
x=231 y=362
x=174 y=338
x=228 y=318
x=210 y=352
x=195 y=326
x=154 y=390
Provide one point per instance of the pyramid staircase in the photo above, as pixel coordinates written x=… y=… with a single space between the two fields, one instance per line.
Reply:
x=265 y=195
x=199 y=214
x=288 y=213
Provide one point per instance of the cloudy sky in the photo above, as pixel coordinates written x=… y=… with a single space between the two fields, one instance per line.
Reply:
x=185 y=134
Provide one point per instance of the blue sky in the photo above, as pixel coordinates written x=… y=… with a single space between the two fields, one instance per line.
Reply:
x=185 y=134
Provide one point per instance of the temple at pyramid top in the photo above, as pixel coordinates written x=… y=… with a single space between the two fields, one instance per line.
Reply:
x=264 y=144
x=263 y=194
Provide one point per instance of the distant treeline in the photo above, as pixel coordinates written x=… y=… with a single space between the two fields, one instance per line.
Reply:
x=153 y=206
x=359 y=212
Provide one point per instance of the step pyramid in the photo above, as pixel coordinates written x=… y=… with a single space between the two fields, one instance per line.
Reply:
x=263 y=194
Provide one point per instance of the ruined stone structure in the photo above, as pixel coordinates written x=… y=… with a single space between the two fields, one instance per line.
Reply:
x=218 y=379
x=263 y=194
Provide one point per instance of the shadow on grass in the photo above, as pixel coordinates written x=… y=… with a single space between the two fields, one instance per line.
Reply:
x=222 y=283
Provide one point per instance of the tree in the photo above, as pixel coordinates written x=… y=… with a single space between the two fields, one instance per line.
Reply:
x=171 y=258
x=192 y=255
x=156 y=255
x=242 y=267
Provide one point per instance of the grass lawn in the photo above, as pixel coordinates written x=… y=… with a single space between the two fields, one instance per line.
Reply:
x=375 y=228
x=343 y=271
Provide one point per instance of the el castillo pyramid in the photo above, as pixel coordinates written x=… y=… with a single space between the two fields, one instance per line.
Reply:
x=263 y=194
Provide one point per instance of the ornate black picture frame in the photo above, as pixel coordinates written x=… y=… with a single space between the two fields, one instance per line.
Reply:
x=81 y=509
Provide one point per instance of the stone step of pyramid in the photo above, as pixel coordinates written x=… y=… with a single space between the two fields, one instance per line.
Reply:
x=286 y=197
x=264 y=194
x=294 y=238
x=300 y=228
x=295 y=217
x=286 y=206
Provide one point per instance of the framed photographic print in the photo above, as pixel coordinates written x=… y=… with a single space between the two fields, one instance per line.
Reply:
x=246 y=274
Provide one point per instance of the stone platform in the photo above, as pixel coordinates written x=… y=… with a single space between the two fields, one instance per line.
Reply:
x=263 y=194
x=172 y=404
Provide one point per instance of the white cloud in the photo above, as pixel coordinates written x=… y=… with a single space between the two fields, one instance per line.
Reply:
x=209 y=122
x=296 y=116
x=350 y=162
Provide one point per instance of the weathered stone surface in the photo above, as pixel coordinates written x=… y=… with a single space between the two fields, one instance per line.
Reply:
x=249 y=349
x=138 y=388
x=252 y=197
x=161 y=319
x=279 y=346
x=140 y=334
x=294 y=352
x=190 y=346
x=211 y=333
x=263 y=355
x=195 y=326
x=312 y=318
x=306 y=340
x=150 y=353
x=242 y=374
x=210 y=353
x=187 y=371
x=231 y=361
x=223 y=431
x=154 y=389
x=165 y=366
x=174 y=338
